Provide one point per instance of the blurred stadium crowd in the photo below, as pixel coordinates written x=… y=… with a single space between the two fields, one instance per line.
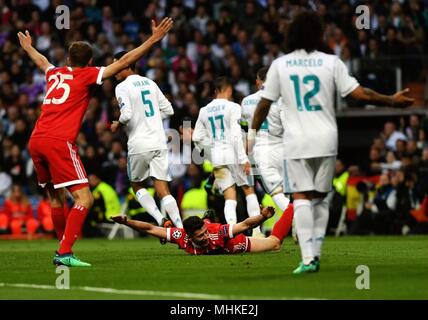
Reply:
x=210 y=38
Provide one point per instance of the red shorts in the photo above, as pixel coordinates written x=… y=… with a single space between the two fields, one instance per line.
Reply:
x=57 y=161
x=240 y=243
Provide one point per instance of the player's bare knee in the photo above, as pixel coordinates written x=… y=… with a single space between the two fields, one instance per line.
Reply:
x=84 y=198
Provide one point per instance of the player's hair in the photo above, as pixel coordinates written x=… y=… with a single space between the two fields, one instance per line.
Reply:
x=120 y=54
x=261 y=74
x=192 y=224
x=221 y=83
x=304 y=32
x=79 y=54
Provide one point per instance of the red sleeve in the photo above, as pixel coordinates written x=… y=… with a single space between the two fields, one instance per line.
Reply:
x=49 y=71
x=176 y=235
x=93 y=75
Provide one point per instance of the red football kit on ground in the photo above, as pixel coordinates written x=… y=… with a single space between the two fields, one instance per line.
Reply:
x=52 y=143
x=221 y=240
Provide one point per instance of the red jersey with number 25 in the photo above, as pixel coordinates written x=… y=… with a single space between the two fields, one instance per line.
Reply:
x=221 y=240
x=66 y=100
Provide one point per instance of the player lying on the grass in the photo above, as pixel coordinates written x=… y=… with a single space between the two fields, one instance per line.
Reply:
x=202 y=236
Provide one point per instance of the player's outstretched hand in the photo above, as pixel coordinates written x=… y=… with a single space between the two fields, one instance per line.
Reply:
x=24 y=39
x=267 y=212
x=400 y=100
x=114 y=126
x=158 y=32
x=120 y=219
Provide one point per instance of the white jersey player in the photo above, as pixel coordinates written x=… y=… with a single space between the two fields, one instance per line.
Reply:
x=142 y=108
x=306 y=80
x=218 y=132
x=268 y=148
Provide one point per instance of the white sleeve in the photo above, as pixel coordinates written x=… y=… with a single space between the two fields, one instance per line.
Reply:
x=200 y=135
x=235 y=129
x=271 y=89
x=244 y=116
x=165 y=106
x=345 y=83
x=124 y=104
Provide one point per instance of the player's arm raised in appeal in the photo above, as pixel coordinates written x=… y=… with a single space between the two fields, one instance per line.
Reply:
x=141 y=226
x=158 y=32
x=39 y=60
x=398 y=99
x=253 y=222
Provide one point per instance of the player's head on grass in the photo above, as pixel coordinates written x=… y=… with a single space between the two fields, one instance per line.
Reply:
x=304 y=32
x=223 y=87
x=122 y=75
x=197 y=230
x=79 y=54
x=261 y=76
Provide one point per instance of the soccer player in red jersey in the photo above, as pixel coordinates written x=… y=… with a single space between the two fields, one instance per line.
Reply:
x=52 y=143
x=200 y=236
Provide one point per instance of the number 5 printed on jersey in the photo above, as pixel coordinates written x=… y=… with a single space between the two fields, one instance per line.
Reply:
x=59 y=83
x=148 y=102
x=315 y=81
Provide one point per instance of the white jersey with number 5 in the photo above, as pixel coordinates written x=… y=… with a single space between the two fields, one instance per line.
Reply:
x=307 y=83
x=218 y=131
x=142 y=107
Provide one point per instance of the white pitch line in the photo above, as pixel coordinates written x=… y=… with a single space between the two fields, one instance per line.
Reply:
x=185 y=295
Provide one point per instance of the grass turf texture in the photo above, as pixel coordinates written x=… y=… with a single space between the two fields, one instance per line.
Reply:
x=398 y=270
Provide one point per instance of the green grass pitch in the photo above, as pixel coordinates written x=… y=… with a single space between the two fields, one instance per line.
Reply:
x=143 y=269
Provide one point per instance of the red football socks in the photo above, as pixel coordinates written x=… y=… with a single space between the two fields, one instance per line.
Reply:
x=283 y=225
x=59 y=220
x=75 y=220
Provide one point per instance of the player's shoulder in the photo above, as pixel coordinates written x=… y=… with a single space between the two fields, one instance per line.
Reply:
x=250 y=98
x=233 y=105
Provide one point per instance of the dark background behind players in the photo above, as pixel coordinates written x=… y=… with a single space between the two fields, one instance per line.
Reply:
x=210 y=39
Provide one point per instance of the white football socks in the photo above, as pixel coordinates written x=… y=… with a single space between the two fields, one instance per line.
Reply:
x=148 y=203
x=230 y=211
x=253 y=209
x=321 y=213
x=171 y=208
x=303 y=215
x=281 y=201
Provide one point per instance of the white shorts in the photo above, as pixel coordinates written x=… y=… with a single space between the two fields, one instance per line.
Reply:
x=309 y=174
x=149 y=164
x=269 y=163
x=228 y=175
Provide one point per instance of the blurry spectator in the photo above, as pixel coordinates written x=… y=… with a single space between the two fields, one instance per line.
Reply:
x=106 y=205
x=44 y=215
x=378 y=214
x=414 y=128
x=391 y=135
x=5 y=184
x=15 y=165
x=400 y=148
x=18 y=213
x=338 y=198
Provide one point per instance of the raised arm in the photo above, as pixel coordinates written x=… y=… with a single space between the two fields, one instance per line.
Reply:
x=158 y=32
x=141 y=226
x=39 y=60
x=253 y=222
x=370 y=96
